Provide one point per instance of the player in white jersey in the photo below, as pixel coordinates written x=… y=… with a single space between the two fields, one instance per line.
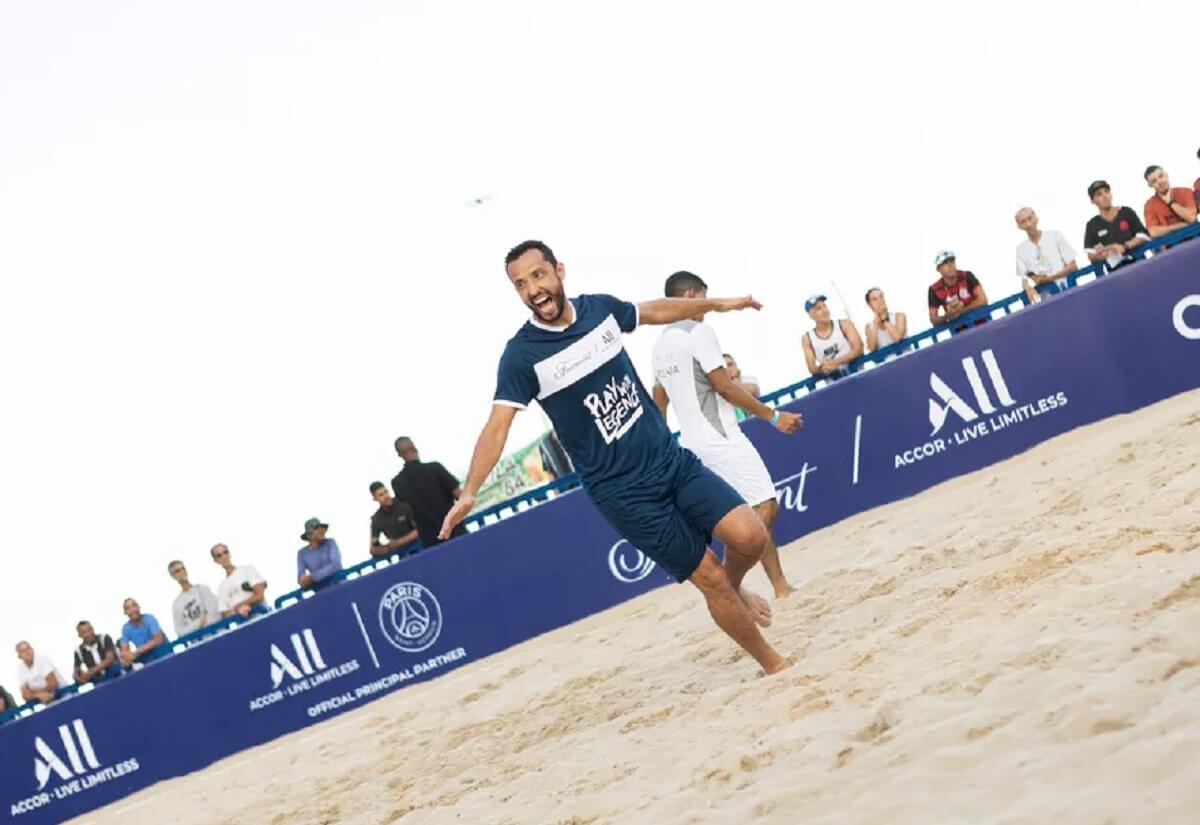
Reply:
x=689 y=370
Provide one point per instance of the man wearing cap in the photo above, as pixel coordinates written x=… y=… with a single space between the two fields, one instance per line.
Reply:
x=1115 y=231
x=1044 y=257
x=1167 y=209
x=317 y=561
x=828 y=347
x=429 y=489
x=955 y=293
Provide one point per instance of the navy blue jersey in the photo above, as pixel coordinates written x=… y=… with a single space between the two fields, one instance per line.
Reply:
x=584 y=380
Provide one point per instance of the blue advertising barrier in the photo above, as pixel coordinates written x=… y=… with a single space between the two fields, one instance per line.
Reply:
x=1107 y=347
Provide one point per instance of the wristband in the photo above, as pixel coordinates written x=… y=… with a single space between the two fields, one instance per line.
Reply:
x=775 y=417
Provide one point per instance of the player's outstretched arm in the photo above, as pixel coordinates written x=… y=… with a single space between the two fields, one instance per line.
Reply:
x=488 y=449
x=740 y=397
x=670 y=310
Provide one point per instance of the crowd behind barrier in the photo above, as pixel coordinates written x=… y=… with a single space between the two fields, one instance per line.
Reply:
x=877 y=436
x=547 y=492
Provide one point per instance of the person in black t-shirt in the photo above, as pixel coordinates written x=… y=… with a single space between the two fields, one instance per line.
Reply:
x=96 y=656
x=394 y=520
x=429 y=489
x=1112 y=234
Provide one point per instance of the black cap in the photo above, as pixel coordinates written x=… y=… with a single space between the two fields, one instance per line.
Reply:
x=1096 y=185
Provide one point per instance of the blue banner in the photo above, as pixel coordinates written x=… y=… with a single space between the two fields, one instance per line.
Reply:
x=1109 y=347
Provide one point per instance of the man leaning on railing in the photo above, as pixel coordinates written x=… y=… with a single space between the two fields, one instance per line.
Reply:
x=1168 y=208
x=956 y=292
x=1044 y=258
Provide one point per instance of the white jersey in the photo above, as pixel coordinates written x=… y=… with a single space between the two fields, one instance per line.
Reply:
x=684 y=355
x=230 y=592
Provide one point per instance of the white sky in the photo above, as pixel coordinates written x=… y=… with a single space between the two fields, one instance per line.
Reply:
x=237 y=259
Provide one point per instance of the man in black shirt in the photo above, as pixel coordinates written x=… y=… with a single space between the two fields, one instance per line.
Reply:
x=395 y=521
x=96 y=656
x=429 y=489
x=1115 y=231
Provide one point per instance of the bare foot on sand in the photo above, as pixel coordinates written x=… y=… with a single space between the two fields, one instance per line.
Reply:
x=784 y=591
x=783 y=664
x=759 y=607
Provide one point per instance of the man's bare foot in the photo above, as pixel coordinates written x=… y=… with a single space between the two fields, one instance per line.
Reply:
x=782 y=664
x=784 y=591
x=759 y=607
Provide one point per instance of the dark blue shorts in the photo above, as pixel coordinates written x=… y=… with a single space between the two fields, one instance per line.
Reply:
x=671 y=518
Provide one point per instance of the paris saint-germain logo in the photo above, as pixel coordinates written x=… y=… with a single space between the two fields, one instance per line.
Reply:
x=410 y=616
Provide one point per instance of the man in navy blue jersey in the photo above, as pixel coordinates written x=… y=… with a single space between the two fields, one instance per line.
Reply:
x=570 y=358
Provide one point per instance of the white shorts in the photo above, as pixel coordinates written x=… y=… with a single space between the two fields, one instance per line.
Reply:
x=742 y=468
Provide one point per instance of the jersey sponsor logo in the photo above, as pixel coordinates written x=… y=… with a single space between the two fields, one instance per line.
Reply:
x=308 y=659
x=67 y=767
x=616 y=408
x=982 y=420
x=629 y=564
x=580 y=359
x=1188 y=331
x=410 y=617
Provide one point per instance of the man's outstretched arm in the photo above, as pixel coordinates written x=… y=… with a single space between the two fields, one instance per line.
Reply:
x=488 y=449
x=670 y=310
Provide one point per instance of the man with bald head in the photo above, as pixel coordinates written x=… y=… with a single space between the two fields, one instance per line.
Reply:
x=1044 y=258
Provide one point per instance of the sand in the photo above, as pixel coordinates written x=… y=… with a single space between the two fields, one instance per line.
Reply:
x=1036 y=662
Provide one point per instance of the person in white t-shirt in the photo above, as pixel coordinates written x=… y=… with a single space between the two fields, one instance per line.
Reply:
x=37 y=677
x=196 y=605
x=243 y=590
x=1043 y=258
x=690 y=371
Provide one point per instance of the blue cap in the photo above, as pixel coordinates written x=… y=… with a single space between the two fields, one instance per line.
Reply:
x=811 y=301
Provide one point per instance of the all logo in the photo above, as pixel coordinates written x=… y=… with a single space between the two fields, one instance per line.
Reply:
x=951 y=401
x=66 y=766
x=76 y=747
x=306 y=659
x=410 y=617
x=629 y=564
x=994 y=409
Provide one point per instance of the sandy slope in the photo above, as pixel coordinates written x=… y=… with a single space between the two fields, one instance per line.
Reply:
x=1037 y=663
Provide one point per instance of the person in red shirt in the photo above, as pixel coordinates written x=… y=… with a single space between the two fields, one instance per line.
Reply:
x=1168 y=209
x=954 y=293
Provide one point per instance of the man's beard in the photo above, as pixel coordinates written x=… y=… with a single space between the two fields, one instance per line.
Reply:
x=559 y=299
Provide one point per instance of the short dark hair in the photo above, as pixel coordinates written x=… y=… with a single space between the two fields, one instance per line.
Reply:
x=81 y=623
x=867 y=297
x=172 y=563
x=528 y=246
x=376 y=485
x=681 y=281
x=1150 y=170
x=401 y=440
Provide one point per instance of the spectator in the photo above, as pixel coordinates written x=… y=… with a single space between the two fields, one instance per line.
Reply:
x=748 y=381
x=195 y=606
x=96 y=656
x=955 y=293
x=317 y=561
x=7 y=703
x=37 y=677
x=1196 y=185
x=1167 y=209
x=429 y=489
x=142 y=638
x=828 y=347
x=1110 y=235
x=1043 y=257
x=243 y=590
x=885 y=328
x=395 y=521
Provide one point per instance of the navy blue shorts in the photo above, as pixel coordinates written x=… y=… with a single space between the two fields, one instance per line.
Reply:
x=671 y=517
